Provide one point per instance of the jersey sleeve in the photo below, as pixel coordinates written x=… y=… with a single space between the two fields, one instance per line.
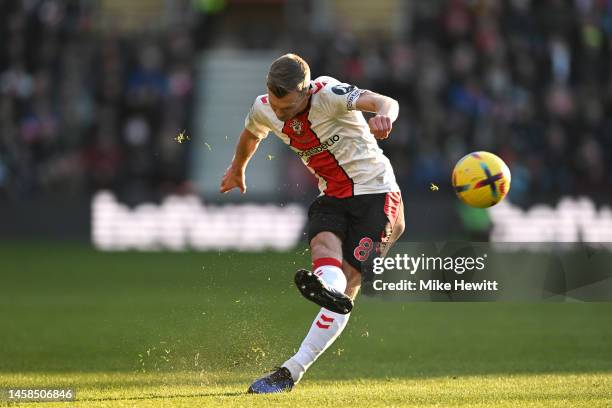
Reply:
x=255 y=121
x=341 y=97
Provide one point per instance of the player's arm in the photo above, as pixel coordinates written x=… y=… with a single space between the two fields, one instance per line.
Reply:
x=234 y=175
x=385 y=108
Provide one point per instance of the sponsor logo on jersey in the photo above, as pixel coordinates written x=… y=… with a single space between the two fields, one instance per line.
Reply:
x=326 y=145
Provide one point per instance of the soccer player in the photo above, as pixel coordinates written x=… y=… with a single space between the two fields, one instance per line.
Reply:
x=359 y=213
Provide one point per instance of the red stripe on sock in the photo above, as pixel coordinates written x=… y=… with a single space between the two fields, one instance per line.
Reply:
x=326 y=261
x=323 y=326
x=326 y=318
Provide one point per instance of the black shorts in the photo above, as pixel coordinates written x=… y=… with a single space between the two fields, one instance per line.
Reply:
x=364 y=223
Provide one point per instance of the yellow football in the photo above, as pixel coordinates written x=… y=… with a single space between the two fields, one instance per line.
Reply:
x=481 y=179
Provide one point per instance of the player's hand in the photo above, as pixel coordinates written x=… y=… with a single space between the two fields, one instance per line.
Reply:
x=233 y=178
x=380 y=126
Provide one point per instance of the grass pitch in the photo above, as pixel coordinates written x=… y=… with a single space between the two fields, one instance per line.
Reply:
x=194 y=329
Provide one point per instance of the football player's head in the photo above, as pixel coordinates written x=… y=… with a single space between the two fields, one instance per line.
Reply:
x=288 y=84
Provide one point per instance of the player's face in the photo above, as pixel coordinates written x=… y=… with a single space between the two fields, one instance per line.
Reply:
x=289 y=105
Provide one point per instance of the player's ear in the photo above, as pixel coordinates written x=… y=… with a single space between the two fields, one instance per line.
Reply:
x=311 y=88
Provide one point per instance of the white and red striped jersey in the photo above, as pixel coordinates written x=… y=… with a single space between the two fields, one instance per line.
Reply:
x=332 y=139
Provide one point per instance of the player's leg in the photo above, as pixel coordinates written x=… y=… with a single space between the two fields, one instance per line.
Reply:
x=353 y=279
x=326 y=229
x=326 y=248
x=326 y=283
x=326 y=244
x=328 y=325
x=380 y=217
x=326 y=252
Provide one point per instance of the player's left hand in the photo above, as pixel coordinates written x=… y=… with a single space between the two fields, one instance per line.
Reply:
x=380 y=126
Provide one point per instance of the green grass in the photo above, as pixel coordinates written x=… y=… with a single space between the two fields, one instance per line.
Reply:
x=193 y=329
x=184 y=389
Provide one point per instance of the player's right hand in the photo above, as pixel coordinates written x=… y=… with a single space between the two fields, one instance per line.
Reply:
x=231 y=179
x=380 y=126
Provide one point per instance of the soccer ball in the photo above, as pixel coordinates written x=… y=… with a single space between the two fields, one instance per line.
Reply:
x=481 y=179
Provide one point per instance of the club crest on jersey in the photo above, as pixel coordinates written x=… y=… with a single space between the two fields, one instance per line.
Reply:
x=296 y=126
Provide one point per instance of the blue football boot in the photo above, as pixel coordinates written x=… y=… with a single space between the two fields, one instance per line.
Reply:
x=277 y=381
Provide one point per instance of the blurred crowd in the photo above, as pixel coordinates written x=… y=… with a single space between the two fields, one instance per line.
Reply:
x=82 y=110
x=529 y=80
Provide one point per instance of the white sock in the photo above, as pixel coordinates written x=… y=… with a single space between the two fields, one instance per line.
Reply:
x=326 y=327
x=333 y=277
